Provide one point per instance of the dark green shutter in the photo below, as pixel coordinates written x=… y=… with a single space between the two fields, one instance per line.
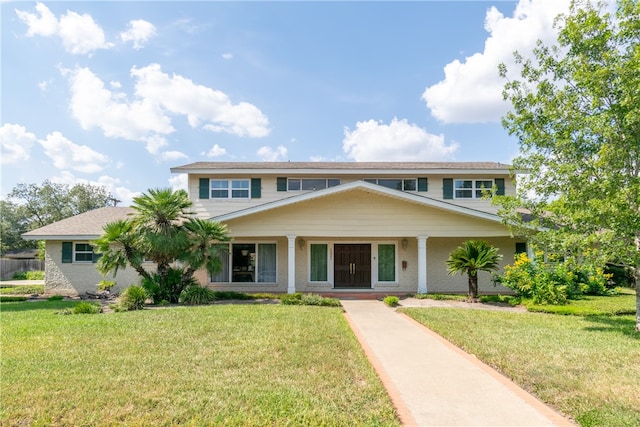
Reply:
x=204 y=188
x=521 y=247
x=500 y=184
x=281 y=183
x=256 y=188
x=447 y=188
x=423 y=184
x=67 y=252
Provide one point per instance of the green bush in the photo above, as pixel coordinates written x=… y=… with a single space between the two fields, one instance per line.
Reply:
x=309 y=299
x=170 y=291
x=87 y=308
x=232 y=295
x=196 y=295
x=55 y=298
x=553 y=283
x=391 y=300
x=28 y=275
x=105 y=285
x=11 y=298
x=133 y=298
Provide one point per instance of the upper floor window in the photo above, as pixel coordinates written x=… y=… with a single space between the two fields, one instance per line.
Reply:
x=472 y=189
x=310 y=184
x=229 y=188
x=409 y=184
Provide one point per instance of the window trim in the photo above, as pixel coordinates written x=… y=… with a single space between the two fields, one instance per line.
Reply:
x=329 y=246
x=77 y=252
x=255 y=281
x=230 y=189
x=474 y=189
x=396 y=280
x=327 y=181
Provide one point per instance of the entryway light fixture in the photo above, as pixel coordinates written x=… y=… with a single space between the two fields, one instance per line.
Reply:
x=301 y=243
x=405 y=243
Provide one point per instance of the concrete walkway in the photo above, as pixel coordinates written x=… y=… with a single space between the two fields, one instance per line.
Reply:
x=433 y=383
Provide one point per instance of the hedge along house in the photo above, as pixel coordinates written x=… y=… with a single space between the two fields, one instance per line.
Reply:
x=328 y=227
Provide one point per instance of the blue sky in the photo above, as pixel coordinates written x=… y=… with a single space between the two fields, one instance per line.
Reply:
x=116 y=93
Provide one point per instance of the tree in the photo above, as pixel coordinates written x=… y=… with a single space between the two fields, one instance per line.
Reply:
x=164 y=231
x=51 y=202
x=470 y=257
x=576 y=114
x=12 y=224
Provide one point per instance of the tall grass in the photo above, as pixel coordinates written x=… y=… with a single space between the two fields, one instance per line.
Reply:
x=244 y=365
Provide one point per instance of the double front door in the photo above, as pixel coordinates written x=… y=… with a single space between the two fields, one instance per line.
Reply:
x=352 y=265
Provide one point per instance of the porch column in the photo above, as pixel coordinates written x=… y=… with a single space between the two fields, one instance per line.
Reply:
x=291 y=264
x=422 y=263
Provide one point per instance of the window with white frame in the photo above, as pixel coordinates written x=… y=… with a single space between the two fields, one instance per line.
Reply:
x=472 y=189
x=310 y=184
x=402 y=184
x=82 y=252
x=318 y=262
x=230 y=188
x=247 y=263
x=387 y=262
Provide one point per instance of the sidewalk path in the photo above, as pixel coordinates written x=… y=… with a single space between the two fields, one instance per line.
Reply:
x=434 y=383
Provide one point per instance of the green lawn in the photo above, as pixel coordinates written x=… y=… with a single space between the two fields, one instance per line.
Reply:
x=211 y=365
x=588 y=367
x=21 y=289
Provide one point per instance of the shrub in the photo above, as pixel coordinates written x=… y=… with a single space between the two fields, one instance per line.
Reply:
x=105 y=285
x=391 y=300
x=55 y=298
x=231 y=295
x=309 y=299
x=133 y=298
x=12 y=298
x=87 y=308
x=196 y=295
x=170 y=291
x=553 y=283
x=28 y=275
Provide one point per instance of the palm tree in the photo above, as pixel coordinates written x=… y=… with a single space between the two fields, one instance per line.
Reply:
x=117 y=247
x=204 y=249
x=470 y=257
x=163 y=231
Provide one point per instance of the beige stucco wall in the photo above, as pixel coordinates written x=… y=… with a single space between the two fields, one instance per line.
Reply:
x=78 y=277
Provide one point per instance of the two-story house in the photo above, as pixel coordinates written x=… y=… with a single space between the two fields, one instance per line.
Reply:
x=324 y=227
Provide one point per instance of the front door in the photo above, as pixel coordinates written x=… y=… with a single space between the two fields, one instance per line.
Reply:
x=352 y=265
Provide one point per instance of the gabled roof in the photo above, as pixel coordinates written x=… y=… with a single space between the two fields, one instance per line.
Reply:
x=360 y=186
x=312 y=168
x=85 y=226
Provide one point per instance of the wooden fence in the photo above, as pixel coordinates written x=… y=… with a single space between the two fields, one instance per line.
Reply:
x=10 y=266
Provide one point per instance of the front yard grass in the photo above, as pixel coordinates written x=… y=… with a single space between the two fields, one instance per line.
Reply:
x=21 y=289
x=208 y=365
x=585 y=366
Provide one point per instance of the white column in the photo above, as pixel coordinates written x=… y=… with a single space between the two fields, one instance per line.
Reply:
x=291 y=264
x=422 y=263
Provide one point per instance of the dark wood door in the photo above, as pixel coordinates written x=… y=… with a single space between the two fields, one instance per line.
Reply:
x=352 y=265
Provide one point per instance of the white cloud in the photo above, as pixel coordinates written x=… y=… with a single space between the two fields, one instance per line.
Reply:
x=227 y=55
x=216 y=151
x=471 y=91
x=167 y=156
x=179 y=182
x=268 y=154
x=113 y=185
x=15 y=143
x=93 y=105
x=79 y=33
x=67 y=155
x=147 y=114
x=139 y=32
x=201 y=104
x=396 y=142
